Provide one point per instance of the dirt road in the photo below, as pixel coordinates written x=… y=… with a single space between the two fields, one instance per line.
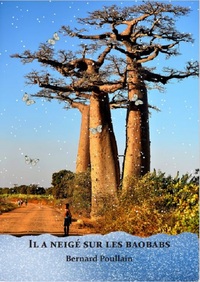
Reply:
x=36 y=219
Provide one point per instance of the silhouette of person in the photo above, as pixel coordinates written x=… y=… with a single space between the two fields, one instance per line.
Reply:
x=67 y=220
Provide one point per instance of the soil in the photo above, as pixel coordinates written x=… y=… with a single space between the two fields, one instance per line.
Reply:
x=37 y=219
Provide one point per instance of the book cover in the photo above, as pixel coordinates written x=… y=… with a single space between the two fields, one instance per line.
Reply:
x=99 y=151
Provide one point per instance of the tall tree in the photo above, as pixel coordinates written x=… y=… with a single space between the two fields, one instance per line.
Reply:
x=140 y=33
x=84 y=79
x=105 y=173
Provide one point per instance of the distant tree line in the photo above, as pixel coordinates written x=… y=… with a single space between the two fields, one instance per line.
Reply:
x=32 y=189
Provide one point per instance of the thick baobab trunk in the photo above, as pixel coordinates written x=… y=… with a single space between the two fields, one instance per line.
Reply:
x=83 y=156
x=137 y=152
x=105 y=173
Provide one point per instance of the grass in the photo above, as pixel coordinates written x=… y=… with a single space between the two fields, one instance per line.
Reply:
x=6 y=206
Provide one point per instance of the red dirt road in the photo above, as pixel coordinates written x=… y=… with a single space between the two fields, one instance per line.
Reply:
x=35 y=219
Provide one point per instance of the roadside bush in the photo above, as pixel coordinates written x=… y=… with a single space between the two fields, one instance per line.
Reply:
x=185 y=203
x=155 y=204
x=139 y=220
x=6 y=206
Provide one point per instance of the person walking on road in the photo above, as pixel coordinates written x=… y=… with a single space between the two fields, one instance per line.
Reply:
x=67 y=220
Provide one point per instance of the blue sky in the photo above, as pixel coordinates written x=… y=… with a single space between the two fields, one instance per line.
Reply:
x=46 y=131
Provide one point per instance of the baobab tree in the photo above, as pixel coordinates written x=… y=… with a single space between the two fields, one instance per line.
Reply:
x=79 y=102
x=84 y=80
x=71 y=100
x=140 y=33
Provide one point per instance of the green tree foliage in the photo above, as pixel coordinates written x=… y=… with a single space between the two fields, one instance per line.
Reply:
x=60 y=182
x=31 y=189
x=5 y=190
x=76 y=187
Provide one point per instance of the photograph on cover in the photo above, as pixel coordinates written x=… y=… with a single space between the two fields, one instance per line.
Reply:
x=99 y=142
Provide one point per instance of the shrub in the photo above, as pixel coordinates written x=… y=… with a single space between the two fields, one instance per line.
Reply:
x=154 y=204
x=140 y=220
x=6 y=206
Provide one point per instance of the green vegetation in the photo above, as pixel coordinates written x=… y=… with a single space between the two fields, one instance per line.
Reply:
x=31 y=189
x=76 y=187
x=9 y=202
x=154 y=203
x=6 y=206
